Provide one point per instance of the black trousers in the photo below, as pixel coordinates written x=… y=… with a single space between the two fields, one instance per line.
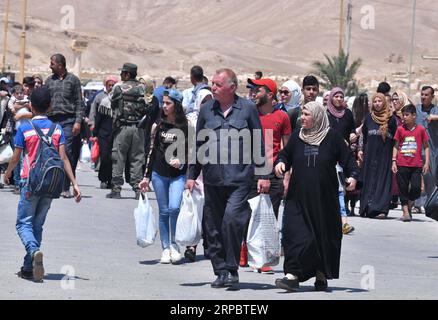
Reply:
x=226 y=212
x=106 y=164
x=409 y=184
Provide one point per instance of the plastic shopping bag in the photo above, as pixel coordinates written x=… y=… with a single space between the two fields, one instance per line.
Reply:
x=145 y=224
x=6 y=151
x=189 y=223
x=85 y=156
x=280 y=222
x=95 y=151
x=263 y=235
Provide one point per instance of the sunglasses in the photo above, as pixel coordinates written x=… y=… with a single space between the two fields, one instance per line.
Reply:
x=285 y=92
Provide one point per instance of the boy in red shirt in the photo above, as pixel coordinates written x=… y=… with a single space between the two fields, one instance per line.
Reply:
x=407 y=160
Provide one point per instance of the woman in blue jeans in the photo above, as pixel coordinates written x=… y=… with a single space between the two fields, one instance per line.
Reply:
x=168 y=172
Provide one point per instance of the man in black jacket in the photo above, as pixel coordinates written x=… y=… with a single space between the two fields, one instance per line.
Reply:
x=227 y=183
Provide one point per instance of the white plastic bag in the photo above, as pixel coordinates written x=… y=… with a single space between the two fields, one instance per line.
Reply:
x=263 y=236
x=280 y=222
x=85 y=153
x=6 y=153
x=189 y=223
x=145 y=224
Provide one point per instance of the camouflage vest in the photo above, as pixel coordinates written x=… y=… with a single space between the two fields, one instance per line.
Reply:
x=132 y=106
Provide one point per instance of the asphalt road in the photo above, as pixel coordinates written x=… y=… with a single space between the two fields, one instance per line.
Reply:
x=90 y=252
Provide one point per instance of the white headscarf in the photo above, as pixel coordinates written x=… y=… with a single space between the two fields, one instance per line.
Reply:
x=321 y=124
x=295 y=89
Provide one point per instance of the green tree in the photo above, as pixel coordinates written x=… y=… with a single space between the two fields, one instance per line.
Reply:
x=337 y=73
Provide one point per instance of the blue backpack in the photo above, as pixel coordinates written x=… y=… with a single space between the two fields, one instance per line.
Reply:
x=46 y=177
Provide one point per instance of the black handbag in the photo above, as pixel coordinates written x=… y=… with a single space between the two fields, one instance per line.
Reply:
x=431 y=205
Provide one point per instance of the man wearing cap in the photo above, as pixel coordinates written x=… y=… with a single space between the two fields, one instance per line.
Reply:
x=276 y=133
x=226 y=184
x=129 y=107
x=67 y=109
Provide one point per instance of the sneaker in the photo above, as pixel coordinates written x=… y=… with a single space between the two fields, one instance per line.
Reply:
x=16 y=190
x=243 y=255
x=37 y=266
x=165 y=257
x=417 y=210
x=266 y=270
x=104 y=185
x=175 y=256
x=190 y=254
x=23 y=274
x=346 y=228
x=114 y=195
x=66 y=195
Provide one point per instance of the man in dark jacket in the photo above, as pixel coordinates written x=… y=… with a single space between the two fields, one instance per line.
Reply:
x=227 y=183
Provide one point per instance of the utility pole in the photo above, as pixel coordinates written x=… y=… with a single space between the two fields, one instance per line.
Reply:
x=23 y=40
x=341 y=26
x=5 y=38
x=348 y=28
x=414 y=7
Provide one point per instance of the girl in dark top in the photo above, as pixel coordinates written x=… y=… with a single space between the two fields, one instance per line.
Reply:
x=341 y=120
x=168 y=176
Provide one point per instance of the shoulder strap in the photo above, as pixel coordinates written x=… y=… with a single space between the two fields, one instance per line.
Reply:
x=45 y=138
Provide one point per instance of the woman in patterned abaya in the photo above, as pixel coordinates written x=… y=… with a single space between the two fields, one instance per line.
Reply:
x=312 y=227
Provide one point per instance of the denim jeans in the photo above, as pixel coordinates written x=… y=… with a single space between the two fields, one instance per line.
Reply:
x=169 y=193
x=342 y=204
x=31 y=215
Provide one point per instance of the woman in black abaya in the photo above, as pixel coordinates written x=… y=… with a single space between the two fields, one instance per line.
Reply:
x=312 y=227
x=378 y=140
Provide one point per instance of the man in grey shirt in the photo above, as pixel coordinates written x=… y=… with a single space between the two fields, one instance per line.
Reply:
x=427 y=116
x=67 y=109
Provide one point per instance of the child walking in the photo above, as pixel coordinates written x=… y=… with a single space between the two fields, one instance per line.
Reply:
x=407 y=160
x=32 y=209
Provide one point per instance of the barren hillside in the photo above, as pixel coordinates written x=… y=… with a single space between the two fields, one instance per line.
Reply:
x=282 y=37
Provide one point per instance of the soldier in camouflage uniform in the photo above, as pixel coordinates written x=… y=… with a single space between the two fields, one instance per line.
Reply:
x=129 y=107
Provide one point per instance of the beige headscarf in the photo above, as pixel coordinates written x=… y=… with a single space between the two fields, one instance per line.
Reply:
x=148 y=91
x=321 y=124
x=381 y=117
x=403 y=100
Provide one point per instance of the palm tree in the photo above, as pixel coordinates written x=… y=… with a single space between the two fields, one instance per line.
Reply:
x=337 y=73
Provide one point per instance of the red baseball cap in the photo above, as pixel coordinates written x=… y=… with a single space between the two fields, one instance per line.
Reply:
x=270 y=84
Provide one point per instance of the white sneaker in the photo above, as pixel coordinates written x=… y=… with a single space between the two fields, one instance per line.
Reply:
x=175 y=255
x=165 y=257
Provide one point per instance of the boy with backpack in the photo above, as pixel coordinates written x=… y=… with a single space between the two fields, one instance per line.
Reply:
x=407 y=162
x=45 y=164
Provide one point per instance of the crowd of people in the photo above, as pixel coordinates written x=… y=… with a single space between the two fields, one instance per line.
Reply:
x=322 y=158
